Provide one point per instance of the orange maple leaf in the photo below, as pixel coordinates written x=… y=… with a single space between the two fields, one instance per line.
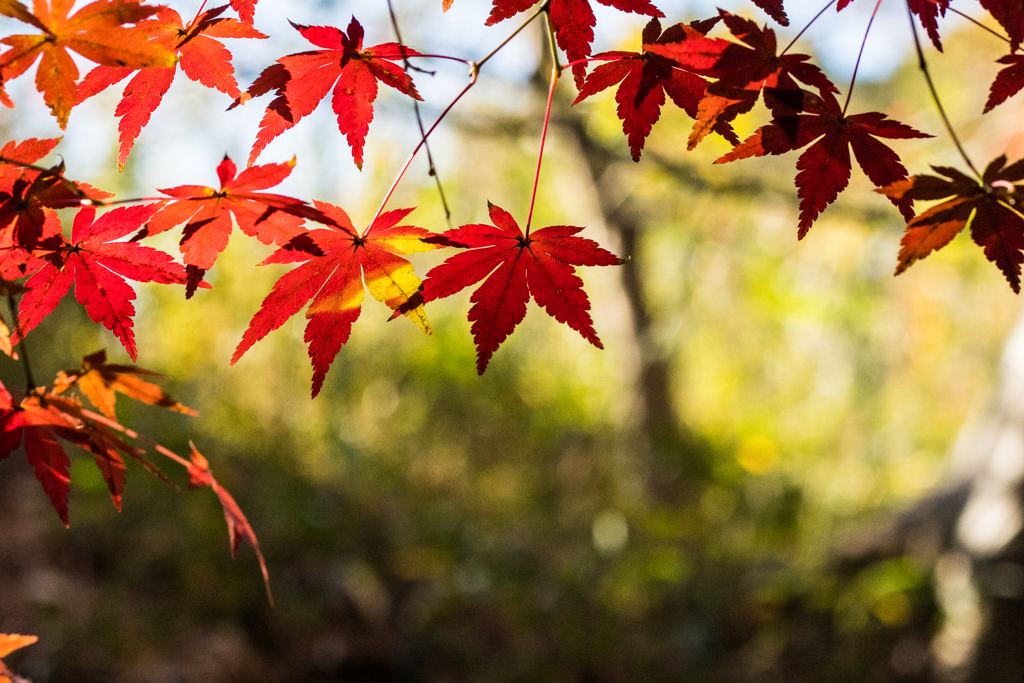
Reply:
x=96 y=31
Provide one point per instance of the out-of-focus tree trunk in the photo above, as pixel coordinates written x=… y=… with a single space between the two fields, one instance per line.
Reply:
x=973 y=532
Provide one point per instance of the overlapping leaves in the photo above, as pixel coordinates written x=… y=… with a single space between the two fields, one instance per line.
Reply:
x=824 y=168
x=990 y=208
x=202 y=58
x=573 y=22
x=97 y=31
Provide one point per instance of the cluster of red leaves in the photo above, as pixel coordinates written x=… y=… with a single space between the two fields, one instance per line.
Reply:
x=44 y=418
x=573 y=22
x=9 y=642
x=990 y=208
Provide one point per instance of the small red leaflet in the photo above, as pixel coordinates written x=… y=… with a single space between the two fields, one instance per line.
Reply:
x=517 y=266
x=302 y=80
x=98 y=267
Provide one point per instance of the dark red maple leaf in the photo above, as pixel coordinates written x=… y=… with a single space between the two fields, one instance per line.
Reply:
x=573 y=22
x=337 y=262
x=98 y=267
x=206 y=213
x=927 y=11
x=517 y=266
x=1008 y=82
x=97 y=31
x=645 y=79
x=990 y=208
x=202 y=58
x=744 y=71
x=302 y=80
x=824 y=169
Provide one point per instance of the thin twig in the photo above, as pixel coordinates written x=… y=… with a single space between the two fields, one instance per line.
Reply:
x=422 y=142
x=856 y=66
x=552 y=44
x=980 y=25
x=432 y=169
x=29 y=380
x=804 y=29
x=923 y=66
x=543 y=136
x=543 y=8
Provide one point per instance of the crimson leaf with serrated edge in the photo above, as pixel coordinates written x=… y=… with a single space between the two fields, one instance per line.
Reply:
x=824 y=169
x=743 y=71
x=206 y=213
x=928 y=11
x=645 y=79
x=201 y=58
x=98 y=267
x=573 y=22
x=517 y=266
x=337 y=262
x=302 y=80
x=1007 y=83
x=990 y=208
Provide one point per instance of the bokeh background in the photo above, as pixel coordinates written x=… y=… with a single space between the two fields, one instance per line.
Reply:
x=710 y=498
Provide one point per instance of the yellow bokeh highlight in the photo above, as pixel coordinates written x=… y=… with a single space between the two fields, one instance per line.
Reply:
x=757 y=454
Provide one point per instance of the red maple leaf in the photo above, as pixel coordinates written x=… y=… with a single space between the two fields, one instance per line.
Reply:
x=990 y=208
x=645 y=79
x=96 y=31
x=517 y=266
x=337 y=262
x=573 y=22
x=302 y=80
x=1008 y=82
x=202 y=58
x=743 y=71
x=98 y=267
x=824 y=169
x=206 y=213
x=928 y=11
